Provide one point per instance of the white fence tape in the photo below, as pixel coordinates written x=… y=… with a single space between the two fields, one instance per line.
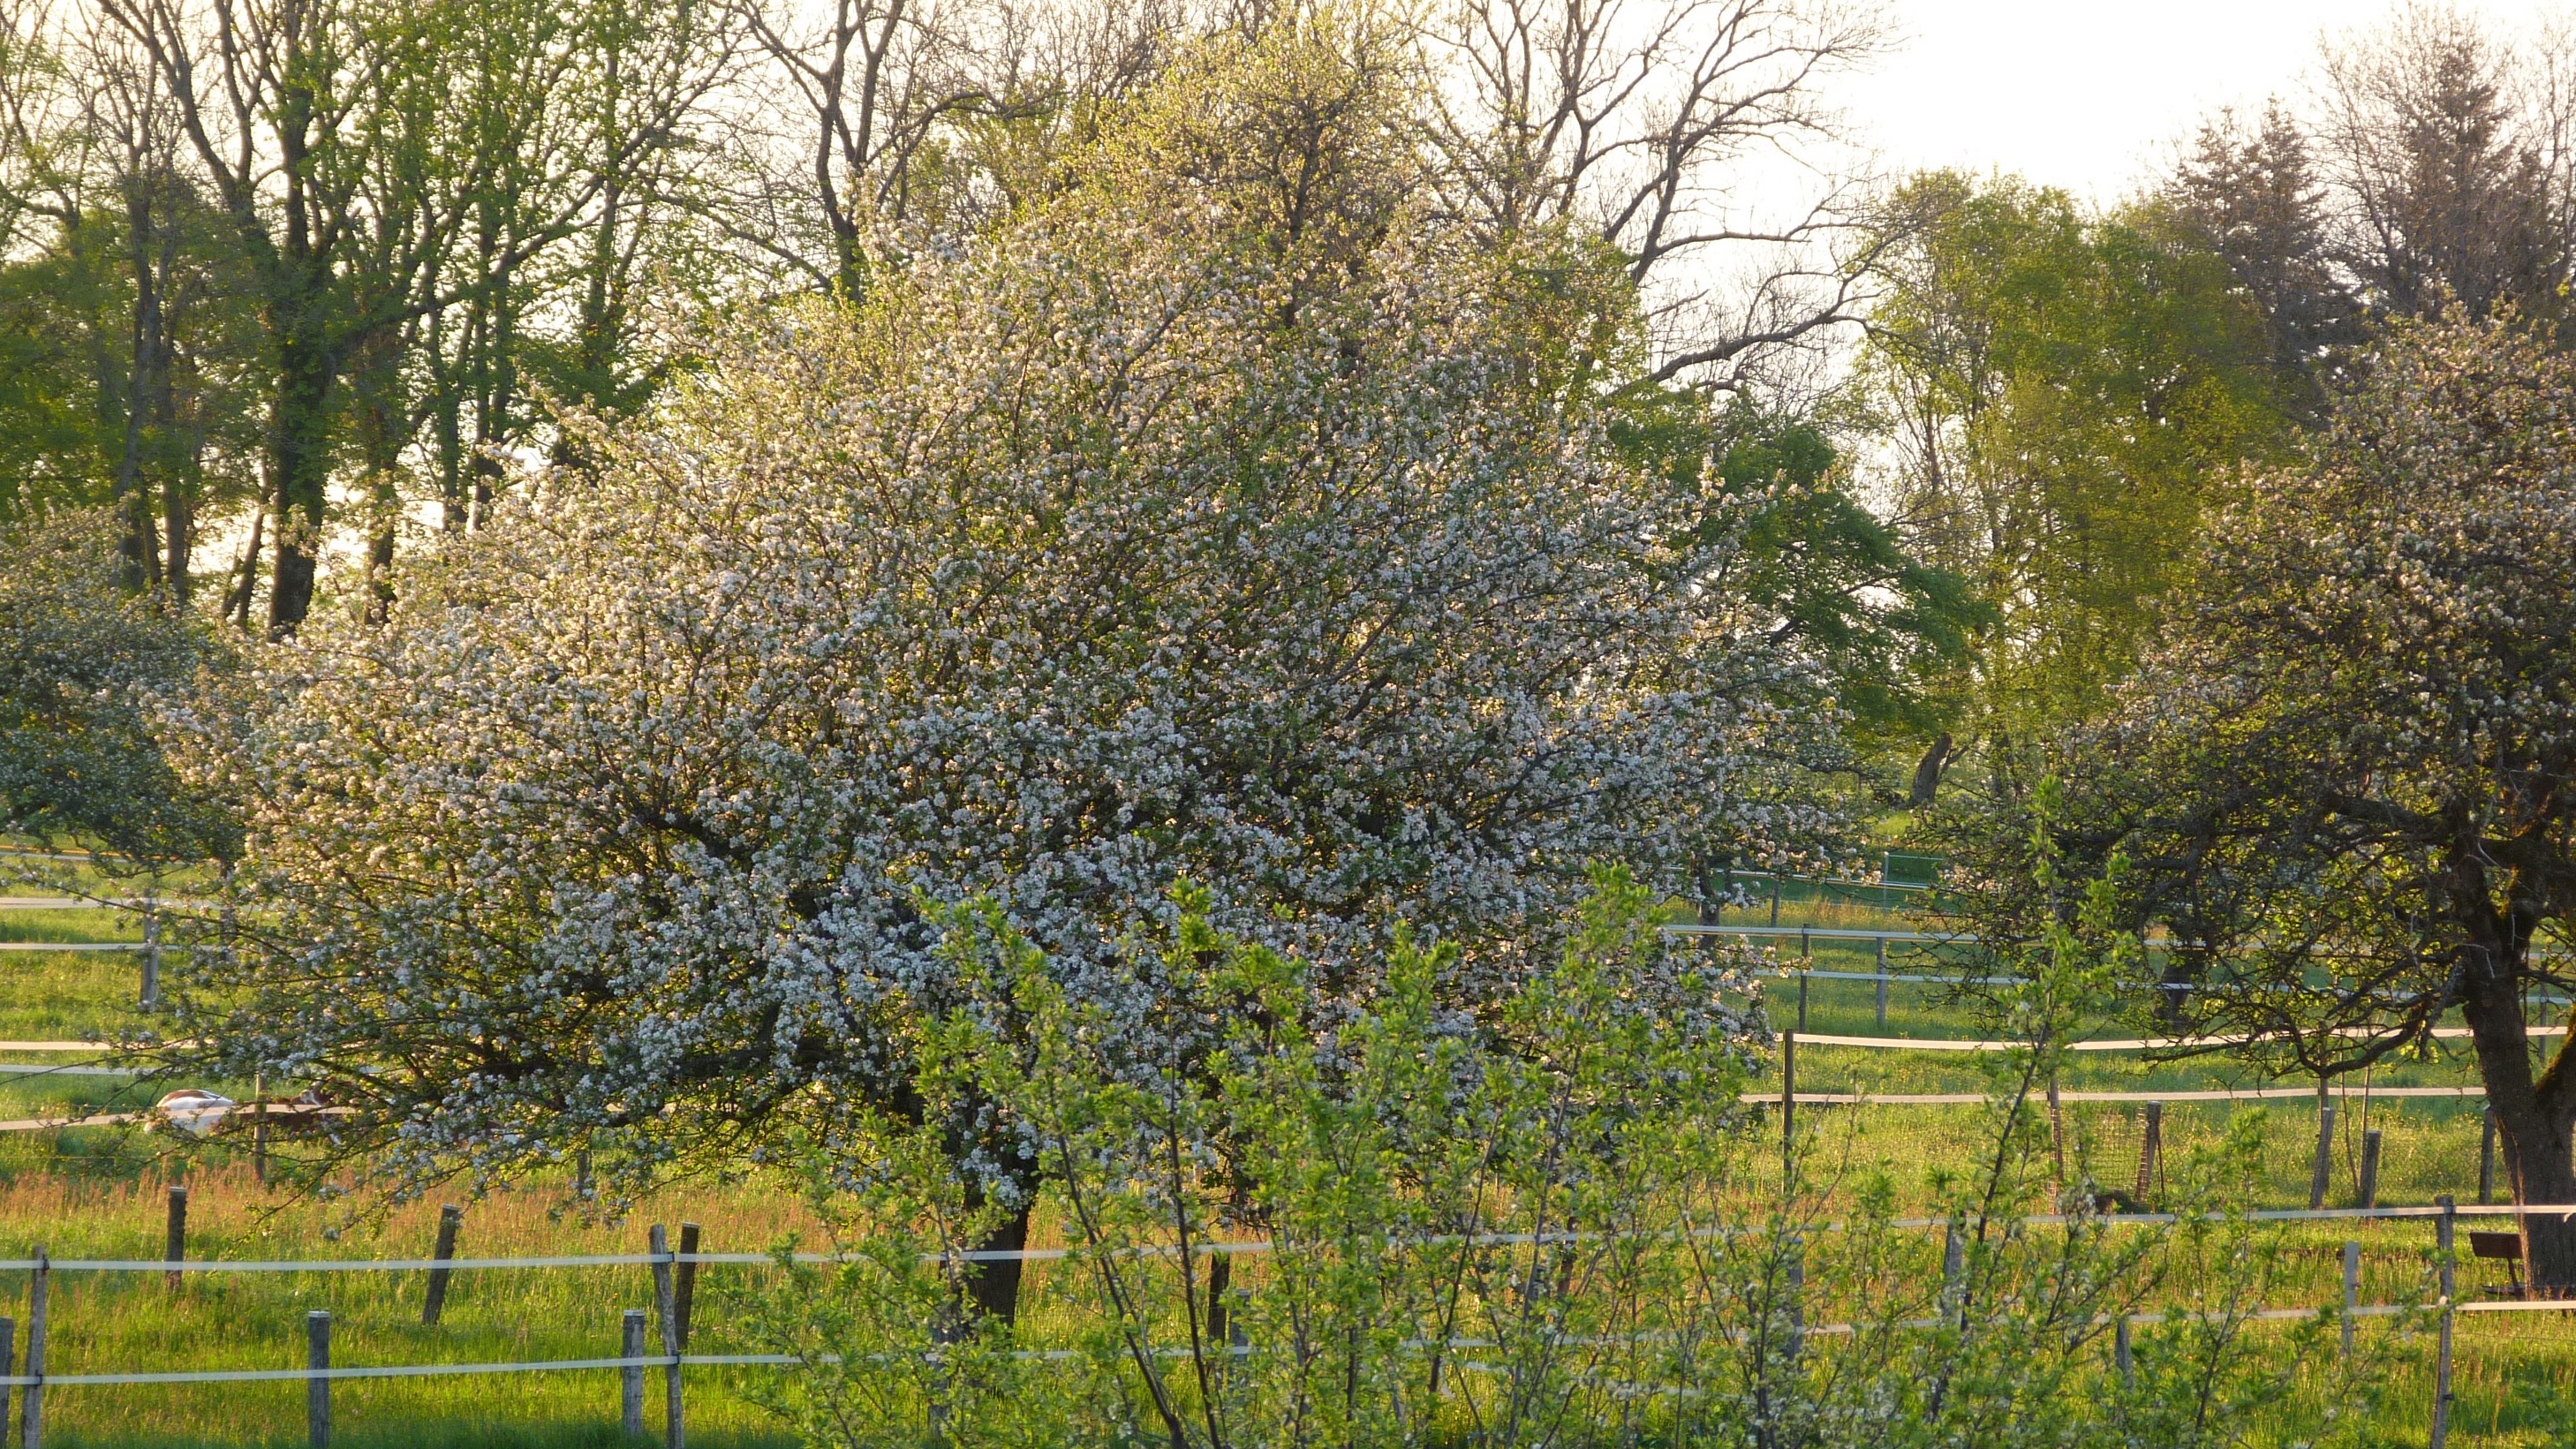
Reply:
x=789 y=1360
x=1941 y=1044
x=1250 y=1245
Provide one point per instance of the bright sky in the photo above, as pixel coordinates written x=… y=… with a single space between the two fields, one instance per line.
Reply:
x=2086 y=94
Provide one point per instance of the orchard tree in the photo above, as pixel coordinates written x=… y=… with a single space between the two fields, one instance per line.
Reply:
x=2346 y=779
x=1232 y=518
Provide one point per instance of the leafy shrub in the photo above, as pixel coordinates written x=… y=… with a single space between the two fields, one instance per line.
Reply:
x=1560 y=1225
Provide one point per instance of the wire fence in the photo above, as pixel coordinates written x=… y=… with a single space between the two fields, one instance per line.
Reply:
x=674 y=1276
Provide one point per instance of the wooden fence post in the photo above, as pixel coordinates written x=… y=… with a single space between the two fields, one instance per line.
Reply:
x=1789 y=1093
x=259 y=1129
x=2442 y=1351
x=674 y=1436
x=2486 y=1154
x=685 y=1294
x=317 y=1389
x=1954 y=1265
x=2325 y=1149
x=2056 y=1130
x=177 y=1251
x=31 y=1423
x=1882 y=983
x=631 y=1378
x=2120 y=1352
x=2151 y=1141
x=2370 y=1168
x=151 y=953
x=8 y=1365
x=2351 y=1290
x=449 y=1217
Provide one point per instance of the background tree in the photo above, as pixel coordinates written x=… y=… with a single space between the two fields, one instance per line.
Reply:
x=1633 y=122
x=2451 y=164
x=2252 y=193
x=119 y=308
x=2060 y=398
x=2434 y=161
x=1821 y=572
x=356 y=149
x=2346 y=779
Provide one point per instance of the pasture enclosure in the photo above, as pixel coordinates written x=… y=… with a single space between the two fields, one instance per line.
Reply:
x=533 y=1290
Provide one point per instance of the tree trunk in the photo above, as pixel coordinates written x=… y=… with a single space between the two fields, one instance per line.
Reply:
x=1927 y=773
x=993 y=1287
x=300 y=461
x=246 y=577
x=180 y=535
x=2533 y=1117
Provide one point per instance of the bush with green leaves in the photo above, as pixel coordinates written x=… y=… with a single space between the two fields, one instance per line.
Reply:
x=1559 y=1226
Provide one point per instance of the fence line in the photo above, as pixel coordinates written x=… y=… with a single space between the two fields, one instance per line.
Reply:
x=789 y=1360
x=2221 y=1094
x=1821 y=1099
x=1945 y=1044
x=1247 y=1245
x=319 y=1372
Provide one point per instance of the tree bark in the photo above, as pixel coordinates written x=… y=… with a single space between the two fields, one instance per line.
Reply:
x=246 y=577
x=2534 y=1117
x=1927 y=773
x=300 y=460
x=993 y=1287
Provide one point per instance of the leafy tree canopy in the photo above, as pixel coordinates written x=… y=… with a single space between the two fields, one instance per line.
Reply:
x=2063 y=397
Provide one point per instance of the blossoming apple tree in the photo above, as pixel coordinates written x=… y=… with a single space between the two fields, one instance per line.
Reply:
x=1143 y=542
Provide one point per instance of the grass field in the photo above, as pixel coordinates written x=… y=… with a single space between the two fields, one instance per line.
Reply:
x=98 y=1192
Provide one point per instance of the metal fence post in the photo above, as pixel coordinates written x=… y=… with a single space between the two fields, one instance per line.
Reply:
x=317 y=1389
x=2351 y=1290
x=2325 y=1150
x=2370 y=1168
x=177 y=1251
x=674 y=1436
x=2442 y=1352
x=1882 y=983
x=631 y=1377
x=31 y=1423
x=450 y=1216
